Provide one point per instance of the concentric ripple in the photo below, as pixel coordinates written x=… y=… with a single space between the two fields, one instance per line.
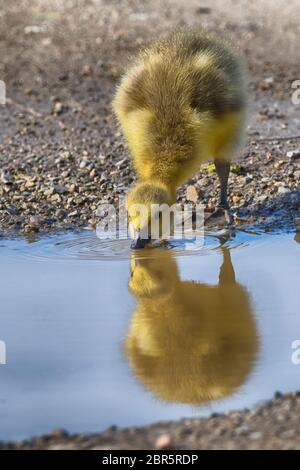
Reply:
x=87 y=246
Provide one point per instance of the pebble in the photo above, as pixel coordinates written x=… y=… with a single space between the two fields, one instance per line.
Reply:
x=192 y=194
x=49 y=192
x=163 y=442
x=83 y=164
x=283 y=190
x=60 y=189
x=267 y=83
x=293 y=154
x=262 y=198
x=254 y=436
x=247 y=179
x=73 y=214
x=236 y=199
x=56 y=198
x=35 y=221
x=57 y=107
x=34 y=29
x=5 y=177
x=29 y=184
x=297 y=175
x=72 y=188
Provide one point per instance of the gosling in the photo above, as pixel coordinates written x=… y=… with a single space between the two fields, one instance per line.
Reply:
x=182 y=102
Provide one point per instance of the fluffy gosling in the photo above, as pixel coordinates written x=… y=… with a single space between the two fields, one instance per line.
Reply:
x=182 y=102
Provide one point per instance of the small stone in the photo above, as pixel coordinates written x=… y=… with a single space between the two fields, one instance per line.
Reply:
x=30 y=228
x=163 y=442
x=236 y=199
x=49 y=192
x=73 y=214
x=278 y=164
x=60 y=189
x=191 y=194
x=103 y=178
x=293 y=154
x=56 y=198
x=120 y=163
x=58 y=107
x=35 y=221
x=5 y=177
x=29 y=184
x=34 y=29
x=102 y=158
x=83 y=164
x=65 y=155
x=254 y=436
x=247 y=179
x=203 y=10
x=267 y=83
x=283 y=190
x=288 y=434
x=86 y=70
x=262 y=198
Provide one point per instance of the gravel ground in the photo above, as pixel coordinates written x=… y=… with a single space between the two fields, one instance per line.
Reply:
x=61 y=153
x=274 y=425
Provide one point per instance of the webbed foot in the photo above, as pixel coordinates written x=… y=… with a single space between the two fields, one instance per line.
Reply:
x=220 y=218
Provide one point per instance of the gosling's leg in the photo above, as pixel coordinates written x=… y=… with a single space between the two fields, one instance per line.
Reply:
x=223 y=170
x=227 y=274
x=222 y=213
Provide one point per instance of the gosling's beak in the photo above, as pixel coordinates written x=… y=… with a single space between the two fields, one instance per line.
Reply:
x=138 y=242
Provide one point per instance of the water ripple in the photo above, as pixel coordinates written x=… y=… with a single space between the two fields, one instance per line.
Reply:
x=87 y=246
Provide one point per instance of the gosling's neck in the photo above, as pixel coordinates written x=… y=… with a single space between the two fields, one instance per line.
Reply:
x=169 y=188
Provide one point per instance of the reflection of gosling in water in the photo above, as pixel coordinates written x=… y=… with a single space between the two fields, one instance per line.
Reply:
x=181 y=103
x=189 y=342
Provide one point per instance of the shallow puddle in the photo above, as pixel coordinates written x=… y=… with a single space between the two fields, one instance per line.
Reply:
x=97 y=335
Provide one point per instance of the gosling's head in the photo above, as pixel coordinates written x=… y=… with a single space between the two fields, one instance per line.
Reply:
x=145 y=203
x=154 y=276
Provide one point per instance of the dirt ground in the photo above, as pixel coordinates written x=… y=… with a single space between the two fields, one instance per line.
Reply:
x=273 y=425
x=61 y=152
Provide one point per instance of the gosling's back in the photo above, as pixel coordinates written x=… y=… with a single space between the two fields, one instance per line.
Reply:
x=181 y=102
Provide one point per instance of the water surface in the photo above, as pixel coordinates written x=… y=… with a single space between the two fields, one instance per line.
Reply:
x=97 y=336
